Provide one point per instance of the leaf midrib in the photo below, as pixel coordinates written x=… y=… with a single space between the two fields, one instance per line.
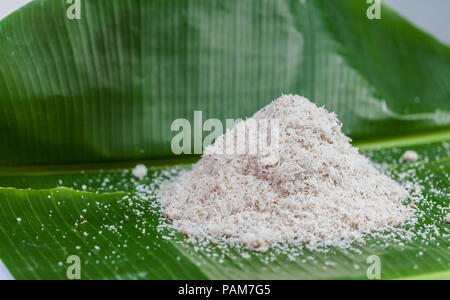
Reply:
x=158 y=163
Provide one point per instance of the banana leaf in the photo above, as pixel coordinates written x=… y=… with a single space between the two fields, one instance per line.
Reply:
x=83 y=100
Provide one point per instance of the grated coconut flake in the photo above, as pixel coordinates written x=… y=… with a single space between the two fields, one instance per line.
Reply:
x=321 y=191
x=410 y=156
x=140 y=171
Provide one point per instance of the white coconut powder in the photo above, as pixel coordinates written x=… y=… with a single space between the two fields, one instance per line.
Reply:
x=140 y=171
x=410 y=156
x=321 y=192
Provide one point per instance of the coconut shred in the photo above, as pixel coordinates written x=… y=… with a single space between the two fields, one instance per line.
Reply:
x=321 y=191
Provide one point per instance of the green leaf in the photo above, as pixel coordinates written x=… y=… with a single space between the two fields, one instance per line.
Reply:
x=100 y=93
x=51 y=229
x=108 y=86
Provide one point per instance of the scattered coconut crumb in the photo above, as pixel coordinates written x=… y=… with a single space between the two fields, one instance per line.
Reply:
x=410 y=156
x=140 y=171
x=320 y=192
x=171 y=213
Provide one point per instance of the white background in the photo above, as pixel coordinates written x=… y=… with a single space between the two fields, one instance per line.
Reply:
x=8 y=6
x=432 y=16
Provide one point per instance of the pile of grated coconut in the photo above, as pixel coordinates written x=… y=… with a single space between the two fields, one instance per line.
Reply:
x=320 y=192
